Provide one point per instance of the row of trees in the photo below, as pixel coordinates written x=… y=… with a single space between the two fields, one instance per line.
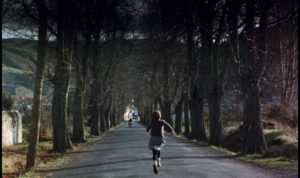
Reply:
x=186 y=53
x=196 y=48
x=80 y=49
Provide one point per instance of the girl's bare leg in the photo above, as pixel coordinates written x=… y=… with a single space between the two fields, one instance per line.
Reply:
x=158 y=162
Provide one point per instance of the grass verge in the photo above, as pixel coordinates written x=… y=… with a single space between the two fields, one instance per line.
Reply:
x=14 y=157
x=280 y=163
x=274 y=163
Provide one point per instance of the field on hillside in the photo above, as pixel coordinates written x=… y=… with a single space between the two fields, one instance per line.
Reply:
x=18 y=67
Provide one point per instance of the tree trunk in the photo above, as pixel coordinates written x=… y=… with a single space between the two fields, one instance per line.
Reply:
x=113 y=113
x=209 y=62
x=196 y=106
x=78 y=124
x=166 y=102
x=166 y=112
x=148 y=115
x=187 y=131
x=38 y=85
x=189 y=74
x=112 y=116
x=216 y=135
x=218 y=62
x=84 y=88
x=155 y=104
x=253 y=137
x=79 y=97
x=107 y=120
x=234 y=6
x=198 y=127
x=108 y=107
x=118 y=115
x=95 y=89
x=102 y=118
x=178 y=118
x=61 y=138
x=95 y=120
x=195 y=103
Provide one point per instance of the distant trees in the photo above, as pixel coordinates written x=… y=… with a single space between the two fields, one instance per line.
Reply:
x=162 y=29
x=7 y=102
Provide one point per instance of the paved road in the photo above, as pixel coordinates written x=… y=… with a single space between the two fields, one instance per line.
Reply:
x=124 y=153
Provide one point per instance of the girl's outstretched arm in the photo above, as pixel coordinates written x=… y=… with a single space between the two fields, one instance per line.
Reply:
x=169 y=127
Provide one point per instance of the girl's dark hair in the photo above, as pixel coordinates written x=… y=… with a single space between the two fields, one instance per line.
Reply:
x=156 y=115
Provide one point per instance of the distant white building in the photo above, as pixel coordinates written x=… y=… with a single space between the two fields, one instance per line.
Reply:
x=129 y=113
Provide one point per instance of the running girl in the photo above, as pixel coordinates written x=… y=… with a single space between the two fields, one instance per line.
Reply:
x=157 y=139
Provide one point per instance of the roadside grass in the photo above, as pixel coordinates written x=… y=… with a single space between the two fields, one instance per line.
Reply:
x=230 y=128
x=275 y=163
x=282 y=163
x=13 y=160
x=14 y=157
x=272 y=134
x=198 y=142
x=287 y=161
x=289 y=146
x=223 y=150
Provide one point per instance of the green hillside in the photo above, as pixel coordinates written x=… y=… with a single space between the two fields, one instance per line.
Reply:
x=17 y=69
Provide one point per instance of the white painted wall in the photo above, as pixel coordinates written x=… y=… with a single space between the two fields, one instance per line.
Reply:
x=11 y=127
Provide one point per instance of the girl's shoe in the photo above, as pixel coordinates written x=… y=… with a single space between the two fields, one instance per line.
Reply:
x=158 y=163
x=155 y=169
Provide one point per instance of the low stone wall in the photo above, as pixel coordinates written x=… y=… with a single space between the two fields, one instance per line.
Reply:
x=11 y=128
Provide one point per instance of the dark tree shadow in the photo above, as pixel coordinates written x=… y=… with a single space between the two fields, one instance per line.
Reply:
x=135 y=160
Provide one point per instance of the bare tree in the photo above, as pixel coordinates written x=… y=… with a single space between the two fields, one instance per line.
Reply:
x=196 y=70
x=251 y=69
x=39 y=76
x=282 y=65
x=65 y=37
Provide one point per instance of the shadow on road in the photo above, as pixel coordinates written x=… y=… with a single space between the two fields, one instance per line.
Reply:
x=124 y=148
x=93 y=173
x=136 y=160
x=108 y=149
x=197 y=157
x=121 y=141
x=93 y=165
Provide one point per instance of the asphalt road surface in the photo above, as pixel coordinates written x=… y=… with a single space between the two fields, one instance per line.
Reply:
x=124 y=153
